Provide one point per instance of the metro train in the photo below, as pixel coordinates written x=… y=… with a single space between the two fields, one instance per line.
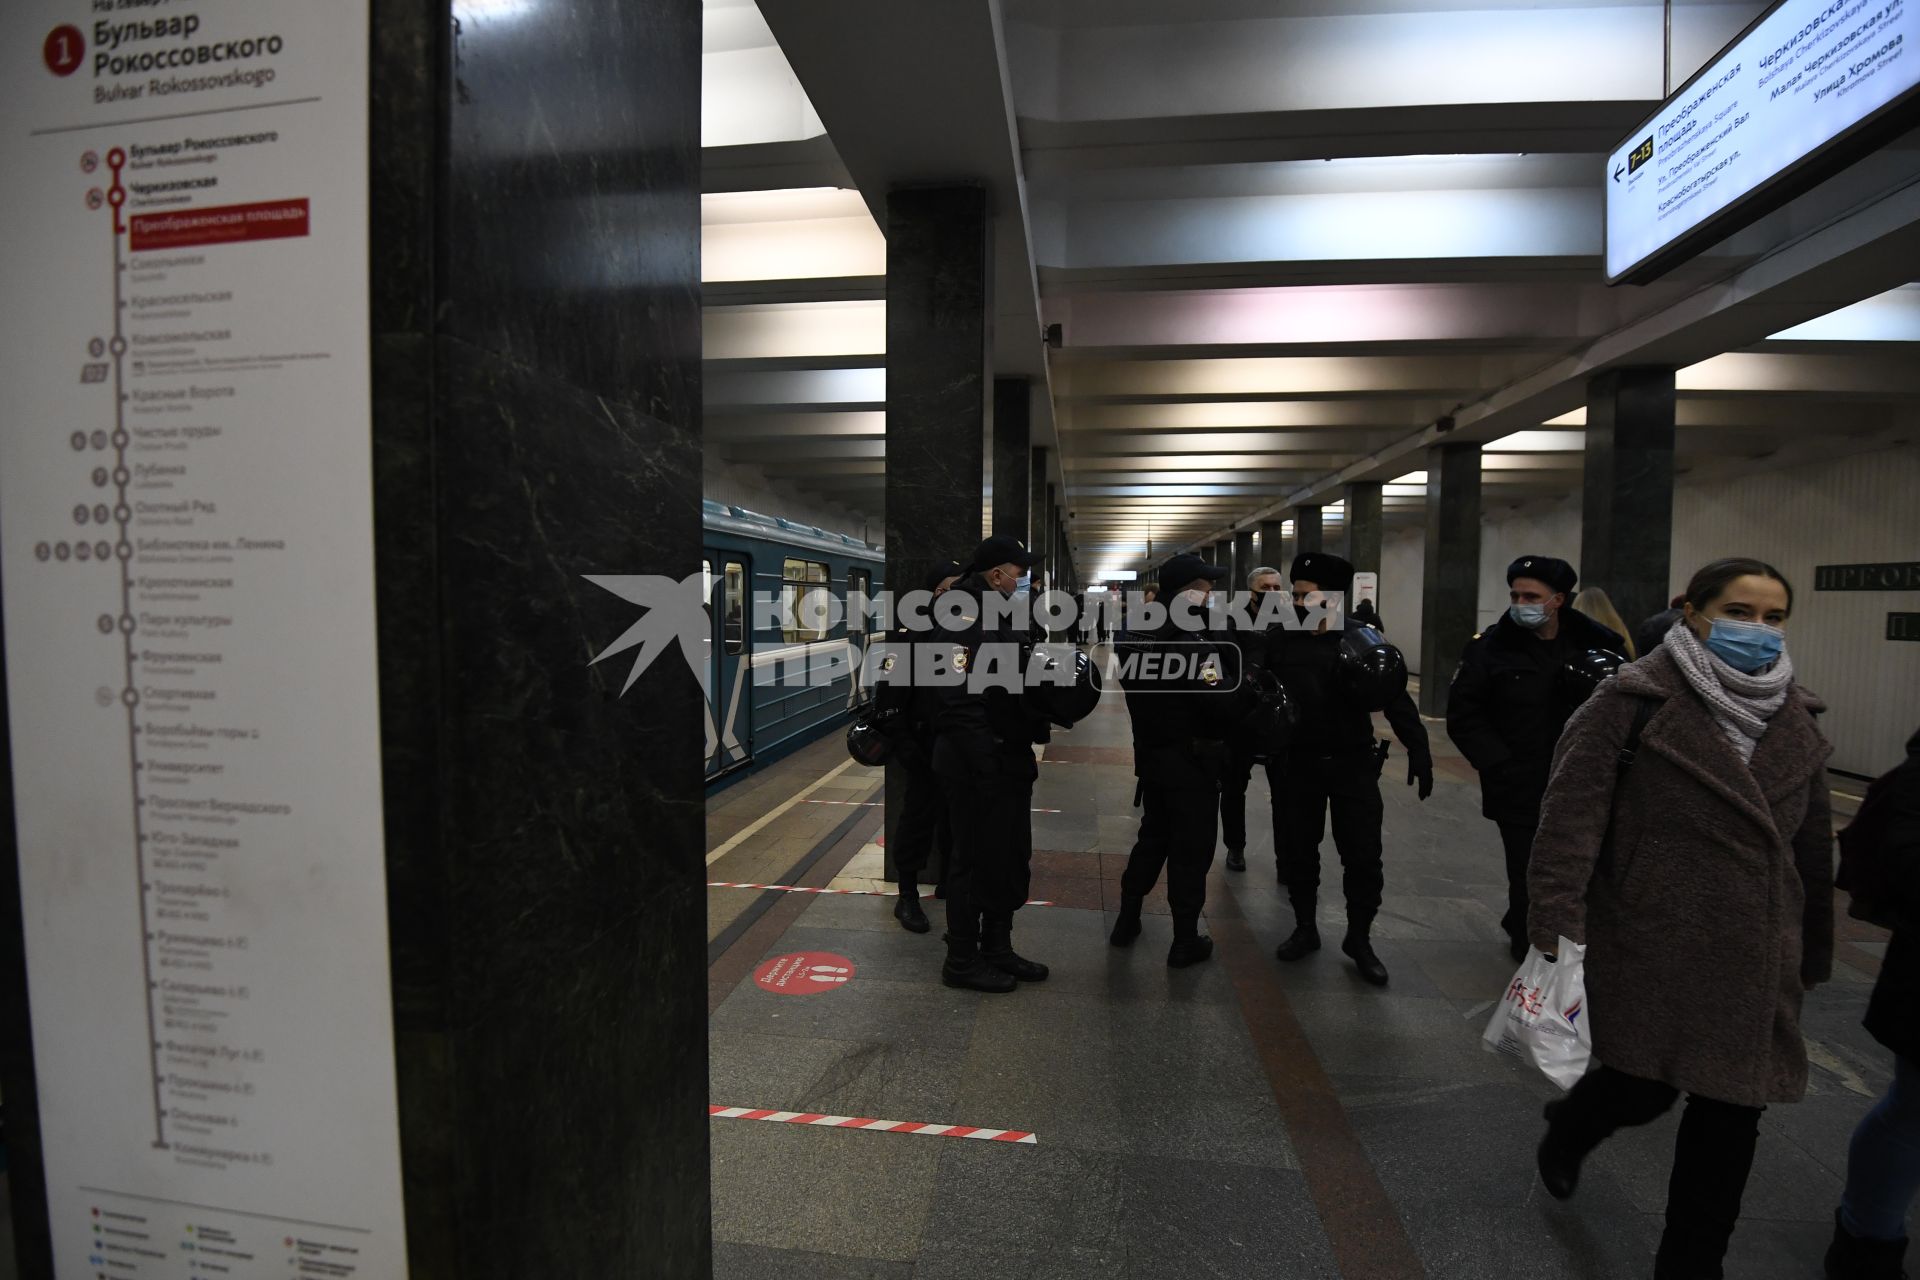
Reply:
x=757 y=708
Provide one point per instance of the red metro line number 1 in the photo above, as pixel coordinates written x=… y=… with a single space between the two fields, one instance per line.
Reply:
x=64 y=50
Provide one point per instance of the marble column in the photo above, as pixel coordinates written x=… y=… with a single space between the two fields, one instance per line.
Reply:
x=1242 y=558
x=536 y=419
x=1307 y=530
x=1037 y=508
x=1451 y=588
x=1366 y=526
x=1626 y=520
x=939 y=345
x=1012 y=460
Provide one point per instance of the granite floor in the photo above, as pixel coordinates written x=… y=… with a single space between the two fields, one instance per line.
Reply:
x=1241 y=1118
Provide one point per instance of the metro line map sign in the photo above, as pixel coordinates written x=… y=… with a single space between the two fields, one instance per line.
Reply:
x=1806 y=90
x=186 y=547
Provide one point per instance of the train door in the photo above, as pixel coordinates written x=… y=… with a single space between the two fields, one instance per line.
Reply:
x=729 y=656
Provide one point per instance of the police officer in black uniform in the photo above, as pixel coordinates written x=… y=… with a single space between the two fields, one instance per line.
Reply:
x=1334 y=762
x=983 y=736
x=923 y=826
x=1184 y=695
x=1509 y=702
x=1250 y=633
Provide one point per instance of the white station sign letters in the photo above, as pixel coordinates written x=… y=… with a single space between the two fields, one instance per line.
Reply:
x=186 y=544
x=1807 y=74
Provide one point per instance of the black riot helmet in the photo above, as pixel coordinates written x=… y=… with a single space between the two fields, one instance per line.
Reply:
x=1372 y=673
x=1268 y=727
x=1581 y=674
x=870 y=736
x=1065 y=704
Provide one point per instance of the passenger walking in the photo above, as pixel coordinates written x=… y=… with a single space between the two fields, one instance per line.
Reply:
x=1334 y=763
x=1184 y=696
x=924 y=827
x=1651 y=631
x=1250 y=635
x=1508 y=704
x=983 y=736
x=1685 y=840
x=1595 y=603
x=1883 y=1163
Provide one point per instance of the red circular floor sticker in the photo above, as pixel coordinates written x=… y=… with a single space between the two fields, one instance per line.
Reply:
x=804 y=973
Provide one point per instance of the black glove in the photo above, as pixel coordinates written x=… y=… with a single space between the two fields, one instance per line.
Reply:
x=1420 y=769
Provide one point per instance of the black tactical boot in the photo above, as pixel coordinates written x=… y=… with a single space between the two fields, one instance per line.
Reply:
x=1360 y=949
x=1850 y=1257
x=967 y=969
x=1187 y=951
x=908 y=911
x=1236 y=859
x=1304 y=941
x=1558 y=1159
x=1127 y=927
x=996 y=948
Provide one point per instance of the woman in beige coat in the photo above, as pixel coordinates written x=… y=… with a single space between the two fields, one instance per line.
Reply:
x=1699 y=875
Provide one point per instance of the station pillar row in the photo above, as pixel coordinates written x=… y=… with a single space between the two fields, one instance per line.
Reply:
x=1012 y=459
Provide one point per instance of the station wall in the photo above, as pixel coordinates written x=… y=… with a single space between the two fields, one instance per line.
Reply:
x=1851 y=510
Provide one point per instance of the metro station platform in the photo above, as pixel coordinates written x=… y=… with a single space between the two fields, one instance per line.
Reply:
x=1241 y=1118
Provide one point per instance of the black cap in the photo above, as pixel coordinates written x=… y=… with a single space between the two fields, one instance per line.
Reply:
x=1557 y=574
x=1324 y=570
x=1187 y=568
x=1000 y=549
x=941 y=572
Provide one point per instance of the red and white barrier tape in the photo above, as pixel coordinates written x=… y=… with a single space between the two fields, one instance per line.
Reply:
x=801 y=888
x=874 y=804
x=875 y=1126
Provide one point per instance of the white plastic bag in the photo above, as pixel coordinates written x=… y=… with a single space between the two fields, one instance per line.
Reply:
x=1542 y=1018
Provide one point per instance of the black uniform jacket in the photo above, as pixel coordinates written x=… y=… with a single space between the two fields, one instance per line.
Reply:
x=1331 y=724
x=1893 y=1015
x=1506 y=709
x=981 y=731
x=1181 y=721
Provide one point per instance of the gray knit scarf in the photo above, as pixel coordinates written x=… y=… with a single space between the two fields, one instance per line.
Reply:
x=1741 y=704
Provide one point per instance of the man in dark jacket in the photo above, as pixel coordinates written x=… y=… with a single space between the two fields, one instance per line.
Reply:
x=923 y=826
x=1334 y=762
x=1508 y=705
x=1184 y=695
x=983 y=736
x=1250 y=633
x=1869 y=1232
x=1648 y=635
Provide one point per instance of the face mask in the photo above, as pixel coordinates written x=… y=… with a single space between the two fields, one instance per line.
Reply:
x=1531 y=616
x=1745 y=646
x=1023 y=585
x=1197 y=597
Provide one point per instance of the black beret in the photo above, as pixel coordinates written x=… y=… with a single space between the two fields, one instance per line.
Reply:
x=1324 y=569
x=1557 y=574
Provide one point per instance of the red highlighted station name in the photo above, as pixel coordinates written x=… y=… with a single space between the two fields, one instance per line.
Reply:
x=228 y=224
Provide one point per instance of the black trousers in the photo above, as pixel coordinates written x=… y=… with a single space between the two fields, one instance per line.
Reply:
x=1517 y=839
x=1176 y=832
x=991 y=871
x=1712 y=1156
x=1348 y=785
x=924 y=827
x=1233 y=799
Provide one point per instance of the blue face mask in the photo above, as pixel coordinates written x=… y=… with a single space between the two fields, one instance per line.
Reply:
x=1746 y=646
x=1024 y=585
x=1531 y=616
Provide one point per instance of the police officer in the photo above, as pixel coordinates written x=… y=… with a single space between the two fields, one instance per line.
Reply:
x=1250 y=633
x=1334 y=762
x=1184 y=697
x=983 y=736
x=923 y=825
x=1508 y=704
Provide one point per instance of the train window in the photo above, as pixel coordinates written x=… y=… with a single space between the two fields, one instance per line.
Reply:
x=736 y=606
x=859 y=601
x=805 y=599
